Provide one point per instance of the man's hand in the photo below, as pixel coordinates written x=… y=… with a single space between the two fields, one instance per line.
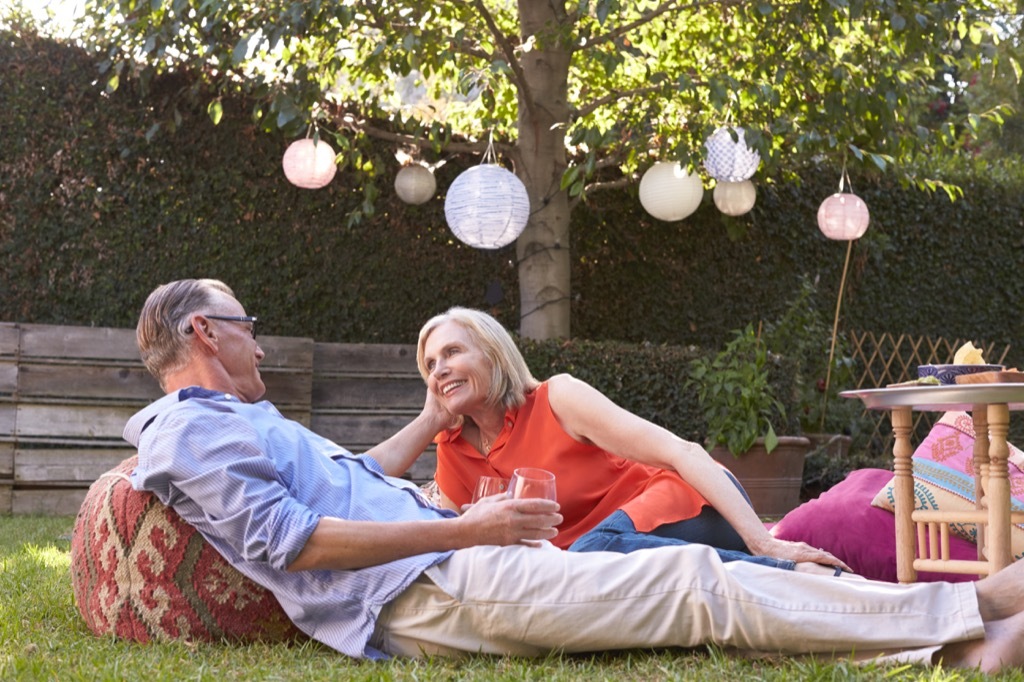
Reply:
x=499 y=520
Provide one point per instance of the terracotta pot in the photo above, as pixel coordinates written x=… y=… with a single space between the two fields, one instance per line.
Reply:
x=771 y=479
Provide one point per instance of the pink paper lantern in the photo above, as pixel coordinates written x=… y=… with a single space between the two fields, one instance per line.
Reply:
x=843 y=216
x=309 y=164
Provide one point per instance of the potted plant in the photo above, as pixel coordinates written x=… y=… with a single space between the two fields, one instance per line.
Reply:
x=740 y=409
x=803 y=334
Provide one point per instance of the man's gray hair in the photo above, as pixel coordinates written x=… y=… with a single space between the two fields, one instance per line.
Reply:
x=162 y=332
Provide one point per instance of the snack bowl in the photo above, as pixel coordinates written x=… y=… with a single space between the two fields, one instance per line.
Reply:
x=947 y=374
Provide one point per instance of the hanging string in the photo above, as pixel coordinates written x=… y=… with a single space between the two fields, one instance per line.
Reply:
x=839 y=303
x=489 y=154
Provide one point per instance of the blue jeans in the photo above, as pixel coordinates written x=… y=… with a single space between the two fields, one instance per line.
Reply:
x=616 y=533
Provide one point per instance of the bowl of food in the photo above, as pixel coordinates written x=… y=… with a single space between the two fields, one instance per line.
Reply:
x=947 y=374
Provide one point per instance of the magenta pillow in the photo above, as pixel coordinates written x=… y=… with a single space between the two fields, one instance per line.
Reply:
x=843 y=522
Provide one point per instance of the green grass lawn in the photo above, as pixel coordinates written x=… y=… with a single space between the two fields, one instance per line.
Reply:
x=42 y=637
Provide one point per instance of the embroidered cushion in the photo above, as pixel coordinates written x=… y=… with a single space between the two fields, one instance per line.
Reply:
x=842 y=521
x=944 y=477
x=139 y=572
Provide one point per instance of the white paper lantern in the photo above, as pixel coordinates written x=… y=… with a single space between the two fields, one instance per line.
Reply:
x=734 y=198
x=843 y=216
x=309 y=164
x=728 y=159
x=487 y=207
x=668 y=192
x=415 y=184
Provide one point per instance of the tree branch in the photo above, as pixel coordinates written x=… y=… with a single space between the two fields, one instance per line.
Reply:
x=613 y=96
x=349 y=122
x=624 y=181
x=510 y=57
x=666 y=8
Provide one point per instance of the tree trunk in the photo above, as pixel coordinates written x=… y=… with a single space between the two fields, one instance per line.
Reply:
x=543 y=248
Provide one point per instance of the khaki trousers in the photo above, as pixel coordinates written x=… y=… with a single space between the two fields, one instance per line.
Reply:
x=533 y=600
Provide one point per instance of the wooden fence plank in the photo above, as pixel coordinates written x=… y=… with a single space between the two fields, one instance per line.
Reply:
x=374 y=393
x=376 y=358
x=10 y=336
x=5 y=498
x=8 y=414
x=6 y=461
x=8 y=377
x=59 y=341
x=66 y=466
x=86 y=382
x=358 y=431
x=72 y=423
x=48 y=502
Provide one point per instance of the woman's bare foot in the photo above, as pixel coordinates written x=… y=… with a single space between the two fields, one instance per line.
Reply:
x=1001 y=595
x=1000 y=649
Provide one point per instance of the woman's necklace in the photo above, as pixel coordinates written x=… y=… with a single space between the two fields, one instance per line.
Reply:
x=485 y=444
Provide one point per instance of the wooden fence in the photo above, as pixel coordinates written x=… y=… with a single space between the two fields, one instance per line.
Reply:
x=66 y=393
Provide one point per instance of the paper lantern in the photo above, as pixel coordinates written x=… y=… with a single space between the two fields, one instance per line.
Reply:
x=668 y=192
x=843 y=216
x=309 y=164
x=415 y=184
x=728 y=159
x=487 y=207
x=734 y=198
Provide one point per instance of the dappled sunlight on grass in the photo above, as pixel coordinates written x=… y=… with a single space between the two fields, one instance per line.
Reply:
x=42 y=636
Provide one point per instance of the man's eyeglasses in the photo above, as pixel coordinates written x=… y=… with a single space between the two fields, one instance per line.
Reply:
x=233 y=318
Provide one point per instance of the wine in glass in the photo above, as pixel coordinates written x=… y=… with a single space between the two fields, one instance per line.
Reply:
x=532 y=482
x=489 y=485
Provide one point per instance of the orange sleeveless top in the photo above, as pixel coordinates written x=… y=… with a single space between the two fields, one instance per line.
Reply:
x=591 y=483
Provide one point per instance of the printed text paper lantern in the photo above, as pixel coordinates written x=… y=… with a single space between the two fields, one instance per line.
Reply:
x=309 y=165
x=669 y=193
x=487 y=207
x=415 y=184
x=843 y=216
x=734 y=198
x=728 y=159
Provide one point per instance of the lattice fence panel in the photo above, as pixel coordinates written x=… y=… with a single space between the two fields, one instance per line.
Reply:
x=886 y=359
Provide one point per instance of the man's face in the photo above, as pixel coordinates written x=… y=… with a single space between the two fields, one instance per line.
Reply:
x=239 y=353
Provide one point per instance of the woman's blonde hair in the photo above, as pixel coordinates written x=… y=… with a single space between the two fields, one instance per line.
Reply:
x=511 y=379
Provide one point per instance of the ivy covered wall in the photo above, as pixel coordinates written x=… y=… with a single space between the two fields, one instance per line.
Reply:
x=93 y=216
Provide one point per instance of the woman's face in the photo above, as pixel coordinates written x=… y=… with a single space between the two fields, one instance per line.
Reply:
x=459 y=374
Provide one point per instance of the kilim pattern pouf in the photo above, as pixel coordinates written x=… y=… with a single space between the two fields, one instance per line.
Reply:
x=139 y=572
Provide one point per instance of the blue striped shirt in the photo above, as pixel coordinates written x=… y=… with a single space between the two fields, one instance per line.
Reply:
x=255 y=484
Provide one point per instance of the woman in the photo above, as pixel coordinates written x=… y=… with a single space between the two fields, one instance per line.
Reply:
x=623 y=482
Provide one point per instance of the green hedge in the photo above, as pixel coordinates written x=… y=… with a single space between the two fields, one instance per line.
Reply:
x=93 y=215
x=649 y=379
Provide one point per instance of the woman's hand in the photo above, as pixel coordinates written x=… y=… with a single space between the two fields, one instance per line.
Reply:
x=799 y=552
x=436 y=412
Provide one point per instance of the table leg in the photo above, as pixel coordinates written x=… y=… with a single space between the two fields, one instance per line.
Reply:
x=979 y=415
x=903 y=494
x=997 y=489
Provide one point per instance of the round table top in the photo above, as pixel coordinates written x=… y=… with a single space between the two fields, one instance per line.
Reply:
x=941 y=398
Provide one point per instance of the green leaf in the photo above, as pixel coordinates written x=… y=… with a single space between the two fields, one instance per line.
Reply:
x=215 y=111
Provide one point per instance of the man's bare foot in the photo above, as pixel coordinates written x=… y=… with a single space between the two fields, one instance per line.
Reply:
x=1000 y=649
x=1001 y=595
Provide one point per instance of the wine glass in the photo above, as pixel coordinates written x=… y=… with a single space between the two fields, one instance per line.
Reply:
x=489 y=485
x=532 y=482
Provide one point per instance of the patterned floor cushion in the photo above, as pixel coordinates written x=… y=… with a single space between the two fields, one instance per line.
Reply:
x=141 y=573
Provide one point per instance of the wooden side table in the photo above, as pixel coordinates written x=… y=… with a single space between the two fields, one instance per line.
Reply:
x=990 y=406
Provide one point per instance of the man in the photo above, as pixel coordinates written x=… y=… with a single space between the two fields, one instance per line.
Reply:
x=360 y=561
